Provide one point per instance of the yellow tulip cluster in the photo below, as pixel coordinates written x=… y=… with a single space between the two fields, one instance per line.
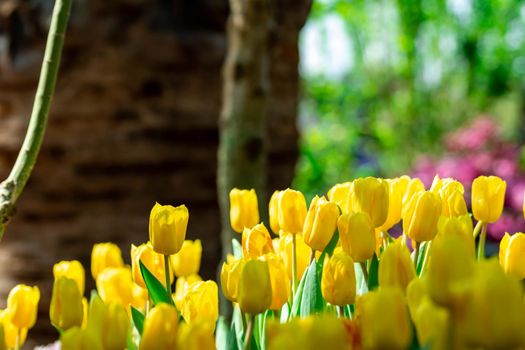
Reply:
x=331 y=277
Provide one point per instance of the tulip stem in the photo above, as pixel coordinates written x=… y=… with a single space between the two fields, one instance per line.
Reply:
x=482 y=239
x=168 y=279
x=340 y=311
x=249 y=332
x=13 y=186
x=475 y=233
x=416 y=253
x=294 y=265
x=425 y=258
x=365 y=271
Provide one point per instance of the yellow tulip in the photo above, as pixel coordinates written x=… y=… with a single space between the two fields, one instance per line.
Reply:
x=153 y=261
x=416 y=291
x=395 y=267
x=105 y=255
x=383 y=319
x=341 y=194
x=79 y=339
x=181 y=287
x=273 y=210
x=230 y=277
x=338 y=279
x=195 y=336
x=512 y=253
x=357 y=236
x=115 y=284
x=109 y=321
x=292 y=211
x=284 y=250
x=160 y=328
x=460 y=226
x=494 y=315
x=451 y=193
x=71 y=269
x=451 y=265
x=3 y=345
x=22 y=305
x=488 y=195
x=256 y=241
x=140 y=297
x=188 y=260
x=244 y=210
x=201 y=303
x=414 y=186
x=320 y=332
x=432 y=324
x=279 y=280
x=11 y=331
x=396 y=190
x=320 y=223
x=370 y=195
x=421 y=216
x=255 y=289
x=85 y=310
x=446 y=186
x=167 y=228
x=66 y=310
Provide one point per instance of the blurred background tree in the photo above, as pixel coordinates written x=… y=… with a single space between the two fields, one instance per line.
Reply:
x=383 y=81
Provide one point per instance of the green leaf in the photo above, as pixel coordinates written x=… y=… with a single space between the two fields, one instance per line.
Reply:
x=138 y=319
x=329 y=249
x=421 y=257
x=131 y=344
x=312 y=299
x=238 y=327
x=221 y=334
x=296 y=303
x=232 y=342
x=237 y=248
x=373 y=274
x=361 y=283
x=156 y=289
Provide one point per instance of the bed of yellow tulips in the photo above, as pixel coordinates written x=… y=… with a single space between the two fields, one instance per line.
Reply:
x=332 y=278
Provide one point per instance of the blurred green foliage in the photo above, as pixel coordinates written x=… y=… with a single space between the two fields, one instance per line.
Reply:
x=384 y=80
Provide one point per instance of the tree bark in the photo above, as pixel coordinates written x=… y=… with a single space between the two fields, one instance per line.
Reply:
x=242 y=154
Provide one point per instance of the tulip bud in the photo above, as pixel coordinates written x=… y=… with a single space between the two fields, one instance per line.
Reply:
x=341 y=194
x=338 y=279
x=488 y=195
x=320 y=223
x=195 y=336
x=511 y=253
x=79 y=339
x=460 y=226
x=115 y=284
x=22 y=305
x=445 y=186
x=256 y=241
x=201 y=303
x=181 y=288
x=449 y=270
x=421 y=217
x=153 y=261
x=71 y=269
x=160 y=328
x=413 y=186
x=188 y=260
x=167 y=228
x=494 y=314
x=279 y=280
x=284 y=250
x=416 y=292
x=370 y=195
x=230 y=277
x=357 y=236
x=109 y=322
x=11 y=331
x=396 y=190
x=432 y=324
x=395 y=267
x=451 y=193
x=383 y=319
x=244 y=210
x=273 y=210
x=105 y=255
x=292 y=211
x=255 y=289
x=66 y=310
